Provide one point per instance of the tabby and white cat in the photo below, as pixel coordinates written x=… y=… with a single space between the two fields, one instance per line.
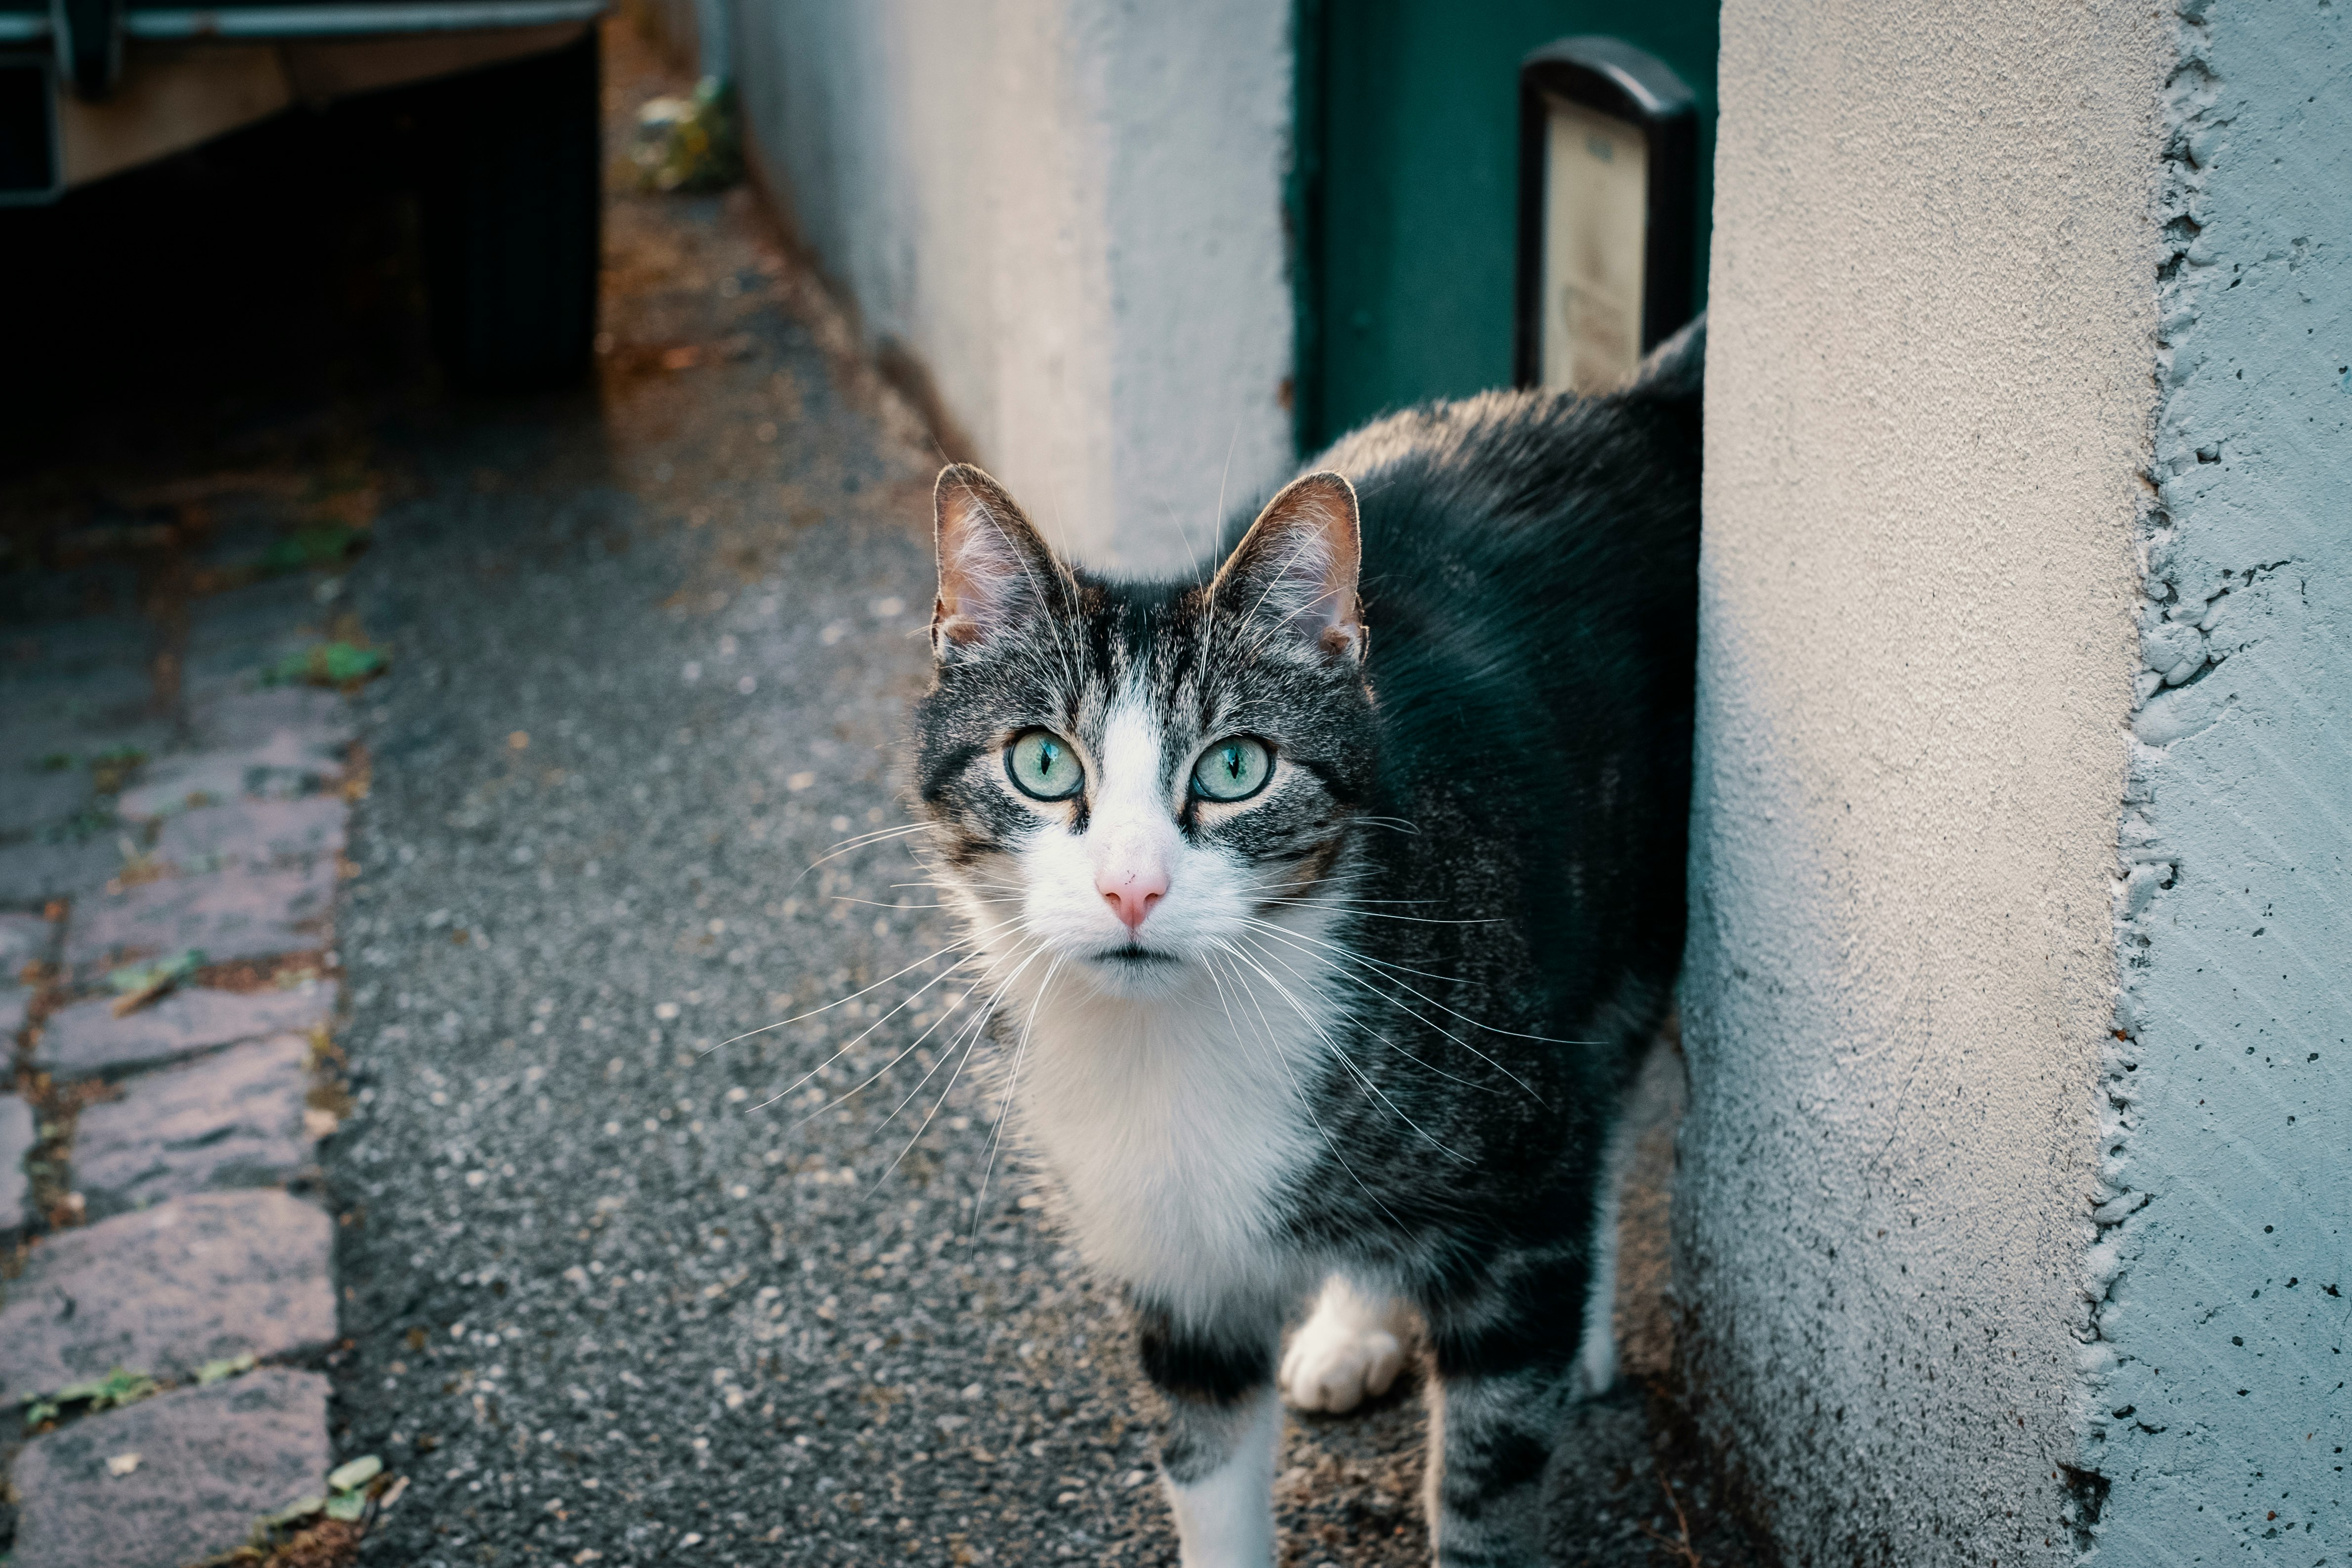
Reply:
x=1327 y=906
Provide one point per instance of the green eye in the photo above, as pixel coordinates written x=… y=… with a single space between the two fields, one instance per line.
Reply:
x=1043 y=766
x=1233 y=770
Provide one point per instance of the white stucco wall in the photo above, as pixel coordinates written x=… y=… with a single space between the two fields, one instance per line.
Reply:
x=2219 y=1406
x=1929 y=410
x=1070 y=212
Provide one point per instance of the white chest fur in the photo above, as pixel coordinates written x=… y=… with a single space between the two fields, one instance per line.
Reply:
x=1172 y=1124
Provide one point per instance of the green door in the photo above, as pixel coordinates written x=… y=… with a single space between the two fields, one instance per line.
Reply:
x=1405 y=189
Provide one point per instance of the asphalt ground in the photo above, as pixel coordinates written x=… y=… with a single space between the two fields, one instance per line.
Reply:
x=622 y=1287
x=619 y=1287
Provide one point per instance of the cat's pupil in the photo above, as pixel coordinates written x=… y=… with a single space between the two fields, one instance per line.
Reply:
x=1231 y=757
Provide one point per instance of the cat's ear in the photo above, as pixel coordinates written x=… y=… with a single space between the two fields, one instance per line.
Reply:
x=995 y=572
x=1297 y=565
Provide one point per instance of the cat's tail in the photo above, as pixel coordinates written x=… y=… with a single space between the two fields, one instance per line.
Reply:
x=1675 y=368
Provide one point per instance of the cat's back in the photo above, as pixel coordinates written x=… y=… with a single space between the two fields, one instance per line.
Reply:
x=1538 y=540
x=1530 y=586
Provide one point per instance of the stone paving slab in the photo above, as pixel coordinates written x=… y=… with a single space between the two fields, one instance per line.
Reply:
x=18 y=1136
x=77 y=728
x=223 y=914
x=167 y=1289
x=231 y=1119
x=87 y=1040
x=35 y=798
x=210 y=1461
x=238 y=633
x=279 y=769
x=323 y=720
x=63 y=704
x=75 y=642
x=36 y=871
x=253 y=833
x=237 y=719
x=23 y=939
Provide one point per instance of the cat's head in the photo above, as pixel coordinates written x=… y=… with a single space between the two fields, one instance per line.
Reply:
x=1127 y=781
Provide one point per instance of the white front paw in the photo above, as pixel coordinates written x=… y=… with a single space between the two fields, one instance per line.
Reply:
x=1347 y=1351
x=1337 y=1374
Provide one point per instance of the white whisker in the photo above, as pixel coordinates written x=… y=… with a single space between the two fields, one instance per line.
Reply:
x=1339 y=1051
x=1304 y=1103
x=1004 y=1105
x=828 y=1007
x=851 y=845
x=1357 y=979
x=859 y=1040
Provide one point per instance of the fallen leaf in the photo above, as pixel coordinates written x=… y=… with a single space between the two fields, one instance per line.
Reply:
x=684 y=359
x=355 y=1475
x=341 y=663
x=118 y=1387
x=138 y=983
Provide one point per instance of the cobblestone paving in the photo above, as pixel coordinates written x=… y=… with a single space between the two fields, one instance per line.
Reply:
x=615 y=1287
x=157 y=1151
x=211 y=1461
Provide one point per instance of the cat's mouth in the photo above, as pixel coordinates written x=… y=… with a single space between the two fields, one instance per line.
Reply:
x=1136 y=954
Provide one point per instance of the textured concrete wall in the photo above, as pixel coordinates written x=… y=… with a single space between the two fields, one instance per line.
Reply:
x=1929 y=403
x=2218 y=1404
x=1070 y=212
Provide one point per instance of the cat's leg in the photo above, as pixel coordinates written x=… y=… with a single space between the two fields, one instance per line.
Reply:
x=1507 y=1372
x=1217 y=1448
x=1350 y=1349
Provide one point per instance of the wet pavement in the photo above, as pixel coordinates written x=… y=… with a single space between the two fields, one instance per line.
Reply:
x=617 y=1285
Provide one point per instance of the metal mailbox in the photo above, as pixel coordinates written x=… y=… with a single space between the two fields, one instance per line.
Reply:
x=1607 y=164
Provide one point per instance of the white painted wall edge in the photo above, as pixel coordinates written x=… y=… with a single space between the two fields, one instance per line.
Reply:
x=1071 y=215
x=1932 y=331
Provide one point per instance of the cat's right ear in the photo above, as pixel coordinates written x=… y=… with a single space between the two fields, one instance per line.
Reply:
x=995 y=572
x=1297 y=565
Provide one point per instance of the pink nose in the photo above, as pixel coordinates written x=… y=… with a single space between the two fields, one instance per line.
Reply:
x=1131 y=893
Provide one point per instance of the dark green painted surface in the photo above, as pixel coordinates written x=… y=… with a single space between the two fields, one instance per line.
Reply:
x=1407 y=192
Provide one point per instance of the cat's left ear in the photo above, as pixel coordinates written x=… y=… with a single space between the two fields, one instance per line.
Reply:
x=1297 y=565
x=996 y=573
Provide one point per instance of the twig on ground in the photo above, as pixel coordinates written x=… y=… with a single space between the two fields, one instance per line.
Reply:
x=1681 y=1547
